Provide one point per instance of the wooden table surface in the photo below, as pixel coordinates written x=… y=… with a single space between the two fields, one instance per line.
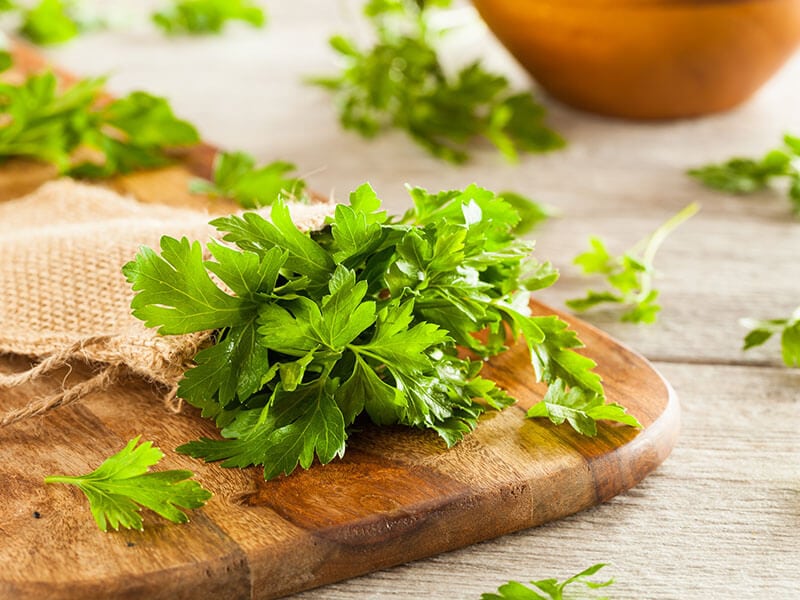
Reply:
x=721 y=517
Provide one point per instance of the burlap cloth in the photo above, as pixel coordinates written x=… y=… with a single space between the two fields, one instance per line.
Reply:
x=63 y=297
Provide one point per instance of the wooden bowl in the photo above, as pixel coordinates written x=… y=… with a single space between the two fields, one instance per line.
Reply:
x=648 y=59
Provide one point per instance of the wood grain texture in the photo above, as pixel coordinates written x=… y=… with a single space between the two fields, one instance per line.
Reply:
x=398 y=494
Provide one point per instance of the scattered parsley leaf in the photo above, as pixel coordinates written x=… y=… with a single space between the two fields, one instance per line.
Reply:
x=198 y=17
x=551 y=588
x=237 y=177
x=747 y=175
x=43 y=122
x=401 y=83
x=580 y=408
x=121 y=485
x=50 y=22
x=789 y=329
x=363 y=317
x=629 y=276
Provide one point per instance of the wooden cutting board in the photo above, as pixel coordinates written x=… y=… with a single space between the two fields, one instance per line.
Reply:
x=397 y=495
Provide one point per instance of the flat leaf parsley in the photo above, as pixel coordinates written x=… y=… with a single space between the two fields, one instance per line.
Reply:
x=549 y=589
x=197 y=17
x=400 y=82
x=43 y=122
x=629 y=276
x=789 y=329
x=237 y=177
x=362 y=317
x=748 y=175
x=122 y=484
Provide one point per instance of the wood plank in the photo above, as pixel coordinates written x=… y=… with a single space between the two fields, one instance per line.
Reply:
x=717 y=516
x=398 y=495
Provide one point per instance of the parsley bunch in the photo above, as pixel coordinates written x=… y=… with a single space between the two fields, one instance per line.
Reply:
x=789 y=329
x=629 y=276
x=362 y=317
x=82 y=136
x=122 y=483
x=747 y=175
x=401 y=83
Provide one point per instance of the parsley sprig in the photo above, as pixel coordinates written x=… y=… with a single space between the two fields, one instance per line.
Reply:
x=364 y=317
x=237 y=177
x=83 y=136
x=549 y=589
x=789 y=329
x=197 y=17
x=121 y=485
x=747 y=175
x=401 y=83
x=631 y=275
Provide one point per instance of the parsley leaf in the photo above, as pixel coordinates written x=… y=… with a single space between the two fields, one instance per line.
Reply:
x=44 y=123
x=198 y=17
x=361 y=319
x=747 y=175
x=237 y=177
x=552 y=589
x=50 y=22
x=789 y=329
x=122 y=484
x=629 y=276
x=401 y=83
x=580 y=408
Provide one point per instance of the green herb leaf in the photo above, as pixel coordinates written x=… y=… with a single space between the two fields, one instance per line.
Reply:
x=747 y=175
x=198 y=17
x=580 y=408
x=119 y=487
x=789 y=330
x=401 y=83
x=551 y=588
x=630 y=276
x=46 y=124
x=50 y=22
x=237 y=177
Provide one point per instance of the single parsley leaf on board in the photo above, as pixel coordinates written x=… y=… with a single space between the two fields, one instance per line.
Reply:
x=122 y=484
x=747 y=175
x=199 y=17
x=580 y=408
x=401 y=83
x=237 y=177
x=550 y=589
x=789 y=329
x=630 y=276
x=364 y=318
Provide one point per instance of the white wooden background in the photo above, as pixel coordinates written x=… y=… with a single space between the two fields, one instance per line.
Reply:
x=721 y=518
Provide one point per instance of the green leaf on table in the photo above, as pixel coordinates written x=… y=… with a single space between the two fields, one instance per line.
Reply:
x=789 y=329
x=200 y=17
x=630 y=276
x=122 y=484
x=748 y=175
x=400 y=83
x=237 y=177
x=50 y=22
x=549 y=589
